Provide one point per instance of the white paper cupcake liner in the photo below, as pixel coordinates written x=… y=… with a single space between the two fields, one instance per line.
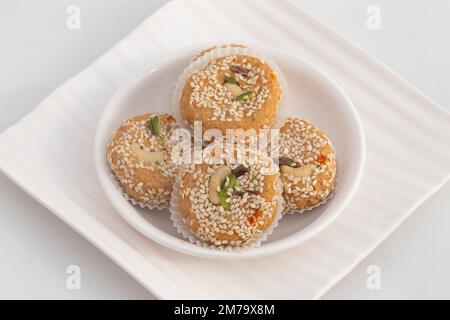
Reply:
x=217 y=52
x=187 y=234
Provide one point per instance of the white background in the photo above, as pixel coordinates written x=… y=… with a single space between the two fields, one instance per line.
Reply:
x=38 y=53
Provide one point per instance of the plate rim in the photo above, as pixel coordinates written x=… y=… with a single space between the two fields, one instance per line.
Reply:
x=180 y=245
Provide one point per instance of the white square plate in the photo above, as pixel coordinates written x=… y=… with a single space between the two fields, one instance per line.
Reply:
x=408 y=157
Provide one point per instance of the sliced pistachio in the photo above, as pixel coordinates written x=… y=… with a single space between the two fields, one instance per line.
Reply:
x=300 y=172
x=240 y=70
x=240 y=171
x=234 y=89
x=230 y=183
x=285 y=161
x=245 y=95
x=215 y=183
x=223 y=200
x=146 y=156
x=154 y=125
x=231 y=80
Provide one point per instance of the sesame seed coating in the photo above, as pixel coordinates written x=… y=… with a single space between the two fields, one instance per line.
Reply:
x=252 y=203
x=306 y=145
x=147 y=182
x=231 y=92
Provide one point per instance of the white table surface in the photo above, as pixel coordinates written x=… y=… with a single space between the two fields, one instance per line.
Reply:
x=38 y=53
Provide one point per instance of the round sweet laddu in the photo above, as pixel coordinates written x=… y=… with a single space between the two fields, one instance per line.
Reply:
x=307 y=164
x=229 y=204
x=139 y=154
x=231 y=92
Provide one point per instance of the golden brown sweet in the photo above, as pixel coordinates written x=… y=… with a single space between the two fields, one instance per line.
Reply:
x=307 y=164
x=231 y=92
x=140 y=157
x=229 y=203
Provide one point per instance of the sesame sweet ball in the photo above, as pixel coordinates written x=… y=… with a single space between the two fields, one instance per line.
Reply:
x=229 y=204
x=307 y=164
x=140 y=157
x=231 y=92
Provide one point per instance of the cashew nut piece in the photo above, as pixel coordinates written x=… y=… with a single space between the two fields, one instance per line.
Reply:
x=215 y=182
x=234 y=89
x=146 y=156
x=300 y=172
